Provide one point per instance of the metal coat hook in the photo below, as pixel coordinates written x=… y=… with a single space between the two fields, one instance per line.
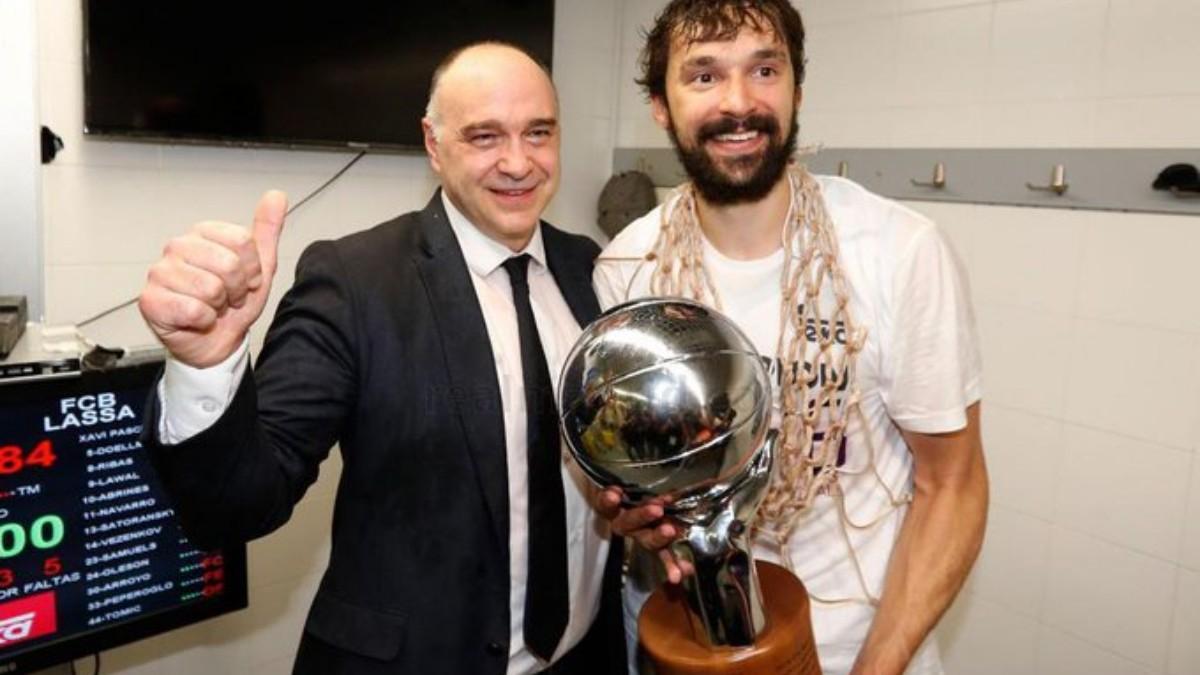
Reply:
x=1058 y=182
x=939 y=178
x=843 y=169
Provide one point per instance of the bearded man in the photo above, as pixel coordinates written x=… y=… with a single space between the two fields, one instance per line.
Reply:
x=879 y=500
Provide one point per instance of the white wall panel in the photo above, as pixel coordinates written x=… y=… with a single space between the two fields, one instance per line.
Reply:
x=1185 y=648
x=1026 y=357
x=1061 y=653
x=1148 y=44
x=857 y=63
x=1190 y=557
x=823 y=12
x=1028 y=258
x=1046 y=50
x=1094 y=589
x=1024 y=457
x=1134 y=381
x=984 y=638
x=941 y=56
x=1013 y=570
x=1124 y=491
x=1136 y=269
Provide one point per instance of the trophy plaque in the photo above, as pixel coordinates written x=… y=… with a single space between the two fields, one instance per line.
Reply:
x=668 y=398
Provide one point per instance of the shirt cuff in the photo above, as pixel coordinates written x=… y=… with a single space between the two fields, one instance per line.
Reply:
x=193 y=399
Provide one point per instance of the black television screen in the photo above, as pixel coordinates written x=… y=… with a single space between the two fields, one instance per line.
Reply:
x=91 y=555
x=341 y=74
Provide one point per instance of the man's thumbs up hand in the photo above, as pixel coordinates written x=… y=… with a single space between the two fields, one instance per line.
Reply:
x=212 y=283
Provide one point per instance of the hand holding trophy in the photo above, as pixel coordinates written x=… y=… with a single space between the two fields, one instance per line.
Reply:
x=668 y=398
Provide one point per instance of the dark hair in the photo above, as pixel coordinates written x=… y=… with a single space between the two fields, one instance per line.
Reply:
x=707 y=20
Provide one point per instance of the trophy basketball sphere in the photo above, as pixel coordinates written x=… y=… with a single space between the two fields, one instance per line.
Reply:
x=667 y=397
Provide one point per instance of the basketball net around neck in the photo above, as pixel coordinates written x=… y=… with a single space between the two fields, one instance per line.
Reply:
x=806 y=465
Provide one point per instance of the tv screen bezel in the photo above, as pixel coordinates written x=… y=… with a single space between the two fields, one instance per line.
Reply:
x=62 y=650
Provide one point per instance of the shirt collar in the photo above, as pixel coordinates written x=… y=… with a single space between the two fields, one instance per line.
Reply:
x=482 y=253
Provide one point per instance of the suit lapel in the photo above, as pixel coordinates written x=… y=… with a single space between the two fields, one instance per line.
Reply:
x=469 y=360
x=572 y=275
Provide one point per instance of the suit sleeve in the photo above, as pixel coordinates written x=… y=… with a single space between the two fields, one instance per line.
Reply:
x=240 y=478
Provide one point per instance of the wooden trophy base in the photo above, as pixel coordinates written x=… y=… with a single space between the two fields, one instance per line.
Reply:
x=785 y=647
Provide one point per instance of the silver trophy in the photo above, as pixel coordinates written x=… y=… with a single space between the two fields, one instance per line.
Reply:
x=667 y=397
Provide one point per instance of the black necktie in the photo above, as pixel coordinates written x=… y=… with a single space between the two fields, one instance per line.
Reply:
x=546 y=603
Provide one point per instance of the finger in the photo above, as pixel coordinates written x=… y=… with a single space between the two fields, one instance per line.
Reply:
x=268 y=224
x=685 y=567
x=631 y=520
x=198 y=252
x=608 y=502
x=178 y=277
x=655 y=538
x=239 y=240
x=670 y=567
x=170 y=311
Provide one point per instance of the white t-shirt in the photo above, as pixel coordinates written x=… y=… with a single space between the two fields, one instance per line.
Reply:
x=919 y=370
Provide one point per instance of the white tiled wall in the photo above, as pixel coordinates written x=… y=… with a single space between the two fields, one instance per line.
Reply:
x=110 y=207
x=982 y=73
x=1089 y=321
x=1092 y=379
x=996 y=640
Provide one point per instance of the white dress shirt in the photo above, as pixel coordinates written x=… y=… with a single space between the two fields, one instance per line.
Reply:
x=193 y=399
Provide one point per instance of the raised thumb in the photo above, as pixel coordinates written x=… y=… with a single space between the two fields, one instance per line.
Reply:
x=268 y=224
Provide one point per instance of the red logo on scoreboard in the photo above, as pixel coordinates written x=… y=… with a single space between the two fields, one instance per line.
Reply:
x=27 y=618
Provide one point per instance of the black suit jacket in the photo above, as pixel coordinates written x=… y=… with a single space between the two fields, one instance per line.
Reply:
x=381 y=346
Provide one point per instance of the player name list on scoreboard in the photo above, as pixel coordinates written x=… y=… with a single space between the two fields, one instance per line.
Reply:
x=87 y=537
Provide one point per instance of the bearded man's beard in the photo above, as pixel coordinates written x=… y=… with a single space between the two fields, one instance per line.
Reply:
x=714 y=183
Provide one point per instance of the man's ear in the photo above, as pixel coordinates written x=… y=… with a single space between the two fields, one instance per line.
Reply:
x=799 y=96
x=431 y=144
x=662 y=114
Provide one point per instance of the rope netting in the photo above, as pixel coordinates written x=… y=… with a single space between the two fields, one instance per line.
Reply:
x=817 y=348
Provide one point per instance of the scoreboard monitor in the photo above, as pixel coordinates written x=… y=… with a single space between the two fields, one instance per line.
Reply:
x=91 y=555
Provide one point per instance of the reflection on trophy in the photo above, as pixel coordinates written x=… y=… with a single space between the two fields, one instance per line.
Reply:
x=667 y=397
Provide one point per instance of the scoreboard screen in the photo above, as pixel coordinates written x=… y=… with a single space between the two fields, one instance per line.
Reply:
x=91 y=555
